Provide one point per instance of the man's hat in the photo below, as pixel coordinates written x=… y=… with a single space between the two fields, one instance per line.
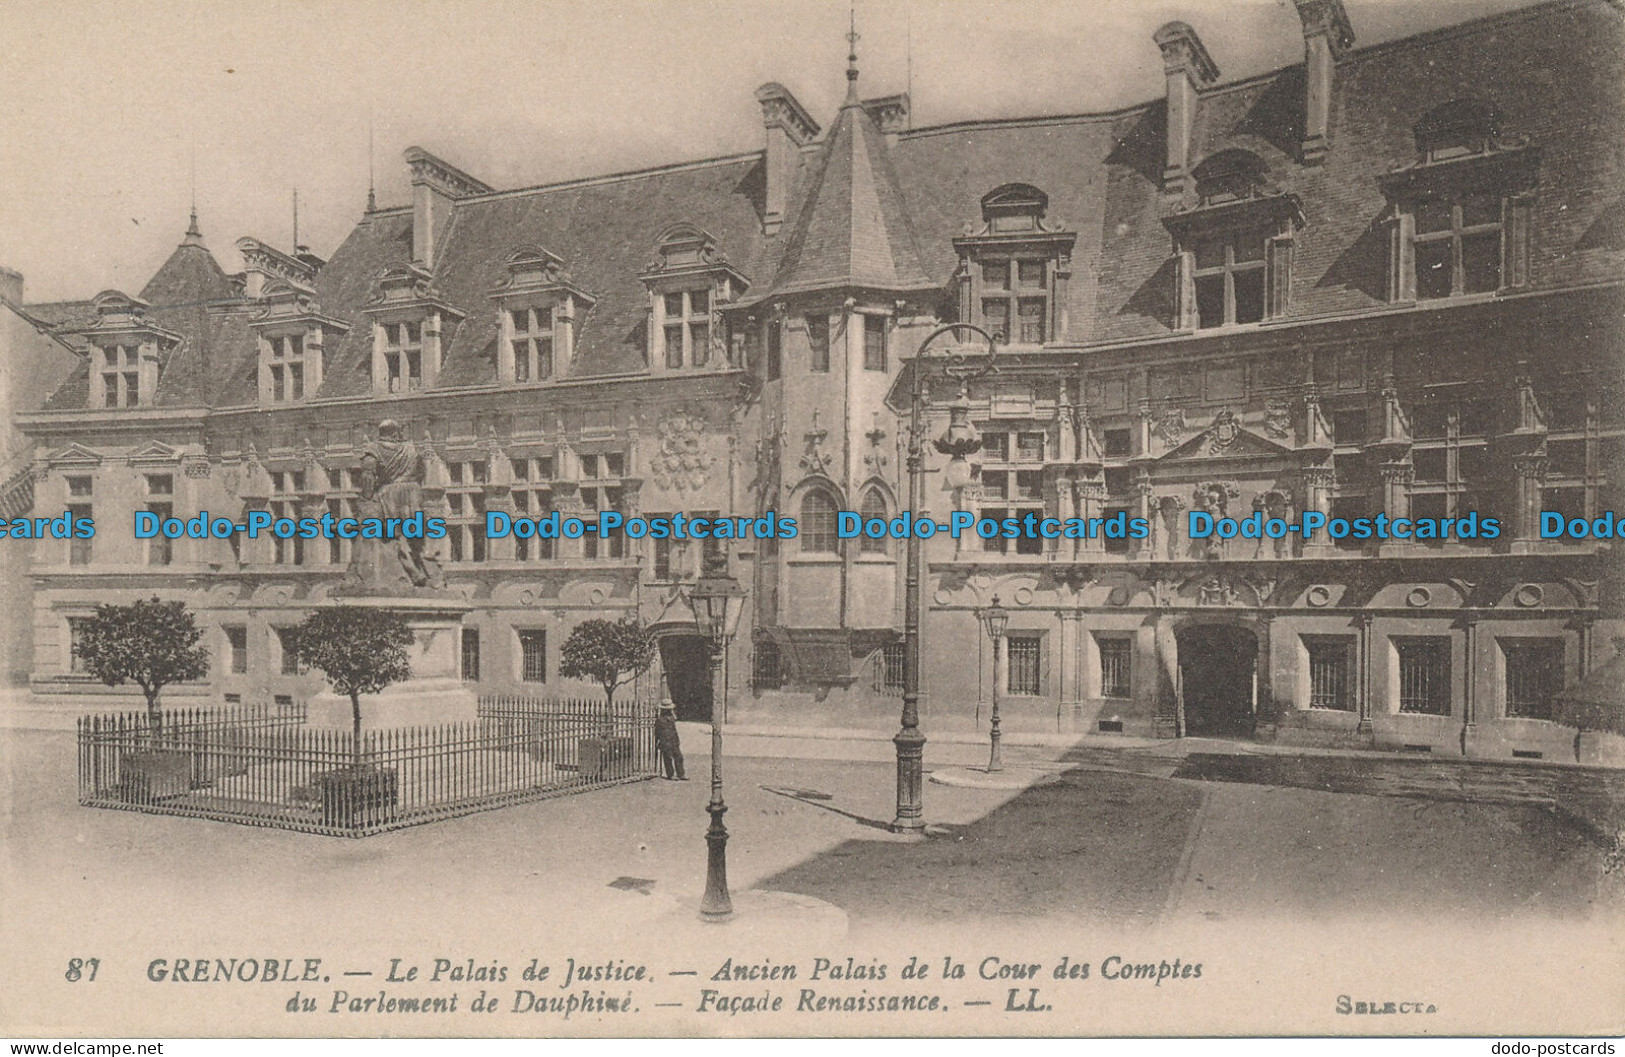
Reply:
x=668 y=704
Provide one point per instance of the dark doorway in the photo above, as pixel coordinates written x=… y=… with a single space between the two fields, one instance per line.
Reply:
x=688 y=676
x=1216 y=669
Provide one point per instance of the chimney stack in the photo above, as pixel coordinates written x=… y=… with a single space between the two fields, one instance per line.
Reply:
x=1189 y=68
x=1327 y=37
x=436 y=184
x=11 y=286
x=789 y=128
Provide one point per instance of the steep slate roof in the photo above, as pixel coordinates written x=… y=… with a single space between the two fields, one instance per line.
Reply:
x=852 y=228
x=190 y=275
x=865 y=214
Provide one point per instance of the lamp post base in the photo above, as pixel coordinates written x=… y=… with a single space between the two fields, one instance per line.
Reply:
x=716 y=905
x=910 y=820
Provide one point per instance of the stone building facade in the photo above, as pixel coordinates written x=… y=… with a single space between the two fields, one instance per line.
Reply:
x=1384 y=280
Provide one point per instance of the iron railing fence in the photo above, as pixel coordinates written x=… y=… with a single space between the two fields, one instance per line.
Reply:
x=261 y=768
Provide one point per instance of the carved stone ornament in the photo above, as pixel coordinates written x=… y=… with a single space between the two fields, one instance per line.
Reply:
x=682 y=463
x=1278 y=419
x=1215 y=591
x=1170 y=426
x=1224 y=433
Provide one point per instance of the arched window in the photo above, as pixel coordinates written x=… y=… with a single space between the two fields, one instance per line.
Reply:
x=873 y=506
x=1229 y=175
x=818 y=524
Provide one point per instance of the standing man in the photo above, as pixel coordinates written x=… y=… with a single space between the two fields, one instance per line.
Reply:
x=667 y=744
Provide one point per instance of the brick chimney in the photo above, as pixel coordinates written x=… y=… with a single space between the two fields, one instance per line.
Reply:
x=789 y=128
x=1189 y=67
x=436 y=184
x=1327 y=37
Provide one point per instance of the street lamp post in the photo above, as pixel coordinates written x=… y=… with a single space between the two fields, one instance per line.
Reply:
x=717 y=600
x=959 y=441
x=996 y=618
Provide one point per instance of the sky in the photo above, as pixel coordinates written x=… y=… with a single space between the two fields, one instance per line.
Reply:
x=113 y=109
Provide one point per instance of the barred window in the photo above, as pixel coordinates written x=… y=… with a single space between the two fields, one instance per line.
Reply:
x=1534 y=675
x=1116 y=667
x=1022 y=657
x=532 y=655
x=818 y=524
x=1424 y=676
x=767 y=670
x=1330 y=685
x=889 y=668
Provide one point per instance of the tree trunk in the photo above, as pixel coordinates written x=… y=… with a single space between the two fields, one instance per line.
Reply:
x=154 y=716
x=355 y=729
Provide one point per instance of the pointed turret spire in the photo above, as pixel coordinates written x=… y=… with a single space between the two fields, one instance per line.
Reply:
x=194 y=234
x=852 y=60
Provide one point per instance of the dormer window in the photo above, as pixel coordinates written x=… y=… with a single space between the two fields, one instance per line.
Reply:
x=1460 y=214
x=688 y=281
x=1234 y=246
x=531 y=346
x=403 y=357
x=292 y=334
x=124 y=351
x=539 y=305
x=412 y=322
x=685 y=329
x=120 y=372
x=1014 y=267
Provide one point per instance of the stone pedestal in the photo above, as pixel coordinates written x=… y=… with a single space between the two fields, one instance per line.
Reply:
x=434 y=695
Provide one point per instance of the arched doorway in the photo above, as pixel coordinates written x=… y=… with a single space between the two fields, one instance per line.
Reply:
x=685 y=659
x=1218 y=680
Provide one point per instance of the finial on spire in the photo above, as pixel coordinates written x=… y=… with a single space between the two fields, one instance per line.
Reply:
x=194 y=234
x=852 y=57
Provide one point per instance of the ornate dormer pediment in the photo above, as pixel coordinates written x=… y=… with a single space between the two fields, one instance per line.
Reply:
x=120 y=316
x=404 y=286
x=74 y=456
x=264 y=265
x=154 y=452
x=685 y=254
x=287 y=302
x=533 y=270
x=1260 y=209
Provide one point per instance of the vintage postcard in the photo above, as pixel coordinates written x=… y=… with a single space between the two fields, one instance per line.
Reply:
x=535 y=518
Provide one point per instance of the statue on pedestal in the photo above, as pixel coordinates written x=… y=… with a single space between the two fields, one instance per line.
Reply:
x=391 y=485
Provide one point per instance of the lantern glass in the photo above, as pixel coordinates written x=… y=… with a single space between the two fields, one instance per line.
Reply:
x=957 y=474
x=997 y=619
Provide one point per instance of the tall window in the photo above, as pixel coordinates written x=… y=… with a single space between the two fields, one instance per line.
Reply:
x=601 y=491
x=1424 y=675
x=874 y=506
x=403 y=356
x=160 y=502
x=818 y=344
x=686 y=329
x=767 y=669
x=874 y=343
x=237 y=648
x=1229 y=272
x=818 y=524
x=1116 y=667
x=1329 y=667
x=532 y=655
x=76 y=638
x=285 y=488
x=775 y=351
x=1534 y=676
x=465 y=504
x=285 y=366
x=1451 y=457
x=341 y=499
x=1022 y=657
x=1458 y=245
x=80 y=551
x=1015 y=299
x=470 y=655
x=289 y=660
x=532 y=344
x=120 y=371
x=889 y=668
x=532 y=498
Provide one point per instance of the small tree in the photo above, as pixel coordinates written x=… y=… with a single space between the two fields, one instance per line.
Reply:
x=610 y=653
x=150 y=643
x=360 y=649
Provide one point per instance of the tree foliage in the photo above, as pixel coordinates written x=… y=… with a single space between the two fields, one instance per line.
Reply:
x=360 y=649
x=610 y=653
x=151 y=643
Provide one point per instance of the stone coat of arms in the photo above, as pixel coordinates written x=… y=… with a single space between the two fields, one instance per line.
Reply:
x=682 y=463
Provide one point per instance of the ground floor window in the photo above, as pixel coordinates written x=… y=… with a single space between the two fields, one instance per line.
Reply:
x=1424 y=676
x=889 y=668
x=532 y=655
x=1534 y=675
x=471 y=655
x=1022 y=660
x=76 y=636
x=289 y=659
x=767 y=668
x=237 y=645
x=1330 y=685
x=1116 y=667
